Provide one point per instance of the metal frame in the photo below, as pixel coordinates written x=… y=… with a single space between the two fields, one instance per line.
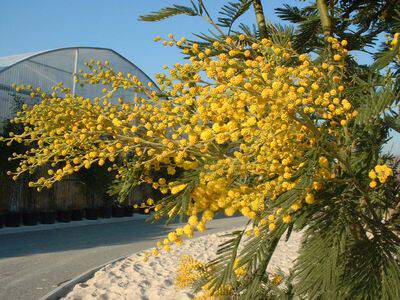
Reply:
x=77 y=49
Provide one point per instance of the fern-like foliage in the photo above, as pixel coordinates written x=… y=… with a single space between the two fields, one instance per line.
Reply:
x=354 y=244
x=279 y=34
x=220 y=269
x=359 y=22
x=394 y=121
x=171 y=11
x=378 y=99
x=385 y=57
x=250 y=30
x=230 y=12
x=309 y=26
x=256 y=255
x=319 y=274
x=294 y=14
x=351 y=245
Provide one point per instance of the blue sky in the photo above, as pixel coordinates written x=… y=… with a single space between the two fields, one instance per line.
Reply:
x=29 y=25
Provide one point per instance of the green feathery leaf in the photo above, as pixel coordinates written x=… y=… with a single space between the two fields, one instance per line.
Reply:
x=231 y=12
x=376 y=100
x=220 y=269
x=172 y=11
x=385 y=57
x=292 y=14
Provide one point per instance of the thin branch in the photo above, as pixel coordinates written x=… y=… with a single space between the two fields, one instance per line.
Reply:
x=332 y=12
x=209 y=19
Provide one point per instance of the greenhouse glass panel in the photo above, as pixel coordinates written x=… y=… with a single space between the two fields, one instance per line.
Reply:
x=47 y=68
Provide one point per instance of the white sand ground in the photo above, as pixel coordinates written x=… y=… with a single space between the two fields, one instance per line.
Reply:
x=132 y=278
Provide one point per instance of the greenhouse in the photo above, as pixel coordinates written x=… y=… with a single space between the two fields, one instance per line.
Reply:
x=72 y=196
x=47 y=68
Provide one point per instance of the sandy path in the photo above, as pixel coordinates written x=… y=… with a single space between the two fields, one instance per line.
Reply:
x=134 y=279
x=34 y=263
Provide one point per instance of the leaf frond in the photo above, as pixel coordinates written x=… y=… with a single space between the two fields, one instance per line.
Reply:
x=231 y=12
x=171 y=11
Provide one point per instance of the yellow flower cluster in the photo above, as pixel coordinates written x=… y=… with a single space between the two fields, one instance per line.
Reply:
x=381 y=173
x=393 y=44
x=237 y=120
x=239 y=271
x=393 y=40
x=189 y=271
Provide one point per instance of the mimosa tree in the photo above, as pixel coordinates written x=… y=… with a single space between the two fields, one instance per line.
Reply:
x=288 y=134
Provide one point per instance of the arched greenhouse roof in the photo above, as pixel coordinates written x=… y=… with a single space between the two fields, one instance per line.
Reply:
x=47 y=68
x=7 y=61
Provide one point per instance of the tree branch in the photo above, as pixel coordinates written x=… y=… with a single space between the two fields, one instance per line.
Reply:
x=325 y=20
x=209 y=19
x=262 y=26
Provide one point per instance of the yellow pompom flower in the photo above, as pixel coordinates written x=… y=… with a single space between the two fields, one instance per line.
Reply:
x=178 y=188
x=193 y=221
x=239 y=122
x=372 y=184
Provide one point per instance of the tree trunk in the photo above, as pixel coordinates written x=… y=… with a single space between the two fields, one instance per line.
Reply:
x=258 y=9
x=325 y=20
